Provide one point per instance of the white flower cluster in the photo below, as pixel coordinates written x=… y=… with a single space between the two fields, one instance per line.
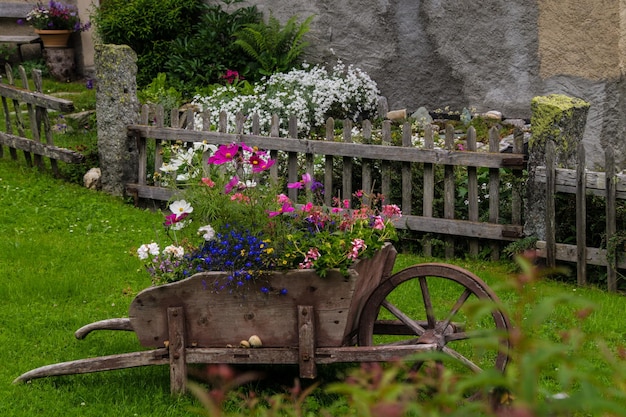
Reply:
x=184 y=163
x=311 y=94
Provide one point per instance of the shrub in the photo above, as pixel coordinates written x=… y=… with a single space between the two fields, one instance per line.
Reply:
x=203 y=55
x=148 y=27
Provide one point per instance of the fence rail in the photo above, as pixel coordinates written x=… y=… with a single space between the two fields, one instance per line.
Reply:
x=381 y=166
x=34 y=132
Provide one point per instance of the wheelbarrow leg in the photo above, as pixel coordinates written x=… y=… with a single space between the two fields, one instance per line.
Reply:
x=178 y=363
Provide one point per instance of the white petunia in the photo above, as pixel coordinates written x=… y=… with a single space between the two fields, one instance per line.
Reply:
x=208 y=233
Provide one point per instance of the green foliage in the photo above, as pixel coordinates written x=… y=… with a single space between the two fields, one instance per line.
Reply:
x=275 y=48
x=202 y=56
x=159 y=93
x=6 y=52
x=148 y=27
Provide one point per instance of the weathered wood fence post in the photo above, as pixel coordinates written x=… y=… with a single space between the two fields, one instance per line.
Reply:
x=560 y=120
x=117 y=107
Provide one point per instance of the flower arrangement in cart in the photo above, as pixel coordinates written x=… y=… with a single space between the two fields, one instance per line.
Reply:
x=232 y=217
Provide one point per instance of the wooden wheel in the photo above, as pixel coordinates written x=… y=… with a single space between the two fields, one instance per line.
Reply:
x=441 y=305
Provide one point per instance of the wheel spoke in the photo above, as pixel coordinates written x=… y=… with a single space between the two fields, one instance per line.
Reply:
x=457 y=306
x=428 y=304
x=409 y=322
x=474 y=334
x=462 y=359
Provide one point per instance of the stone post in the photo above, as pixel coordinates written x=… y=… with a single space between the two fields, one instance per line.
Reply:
x=559 y=119
x=116 y=107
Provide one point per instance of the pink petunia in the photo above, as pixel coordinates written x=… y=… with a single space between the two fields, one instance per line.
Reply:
x=379 y=223
x=208 y=182
x=391 y=210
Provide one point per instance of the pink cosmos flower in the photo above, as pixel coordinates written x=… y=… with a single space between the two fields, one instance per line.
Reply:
x=234 y=181
x=259 y=164
x=225 y=153
x=286 y=208
x=306 y=179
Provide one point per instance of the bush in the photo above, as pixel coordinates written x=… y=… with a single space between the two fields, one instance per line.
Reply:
x=202 y=56
x=148 y=27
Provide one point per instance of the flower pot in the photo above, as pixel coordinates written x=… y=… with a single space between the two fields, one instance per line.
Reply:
x=54 y=38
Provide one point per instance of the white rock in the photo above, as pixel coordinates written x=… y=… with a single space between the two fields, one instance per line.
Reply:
x=92 y=179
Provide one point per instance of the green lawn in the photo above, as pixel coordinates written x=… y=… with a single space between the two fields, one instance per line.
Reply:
x=65 y=261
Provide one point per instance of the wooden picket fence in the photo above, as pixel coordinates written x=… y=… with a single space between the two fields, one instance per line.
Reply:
x=27 y=124
x=380 y=165
x=608 y=185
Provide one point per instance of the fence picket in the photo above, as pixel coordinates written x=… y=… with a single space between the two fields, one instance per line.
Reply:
x=611 y=220
x=449 y=184
x=429 y=185
x=292 y=159
x=328 y=167
x=407 y=177
x=386 y=165
x=550 y=206
x=346 y=185
x=366 y=165
x=581 y=218
x=472 y=191
x=494 y=190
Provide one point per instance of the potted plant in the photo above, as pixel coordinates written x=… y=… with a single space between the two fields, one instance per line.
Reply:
x=55 y=22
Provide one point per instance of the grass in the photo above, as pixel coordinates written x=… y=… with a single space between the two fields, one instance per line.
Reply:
x=65 y=261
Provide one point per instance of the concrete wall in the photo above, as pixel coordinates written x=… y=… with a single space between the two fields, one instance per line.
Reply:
x=492 y=54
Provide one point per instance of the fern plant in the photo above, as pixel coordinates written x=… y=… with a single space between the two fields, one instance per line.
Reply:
x=274 y=48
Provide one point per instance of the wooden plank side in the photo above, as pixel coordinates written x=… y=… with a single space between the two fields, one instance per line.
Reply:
x=271 y=316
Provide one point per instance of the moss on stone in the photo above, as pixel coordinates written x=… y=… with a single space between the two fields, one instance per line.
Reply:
x=549 y=116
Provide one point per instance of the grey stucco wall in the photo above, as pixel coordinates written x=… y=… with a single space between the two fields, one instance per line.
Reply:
x=492 y=54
